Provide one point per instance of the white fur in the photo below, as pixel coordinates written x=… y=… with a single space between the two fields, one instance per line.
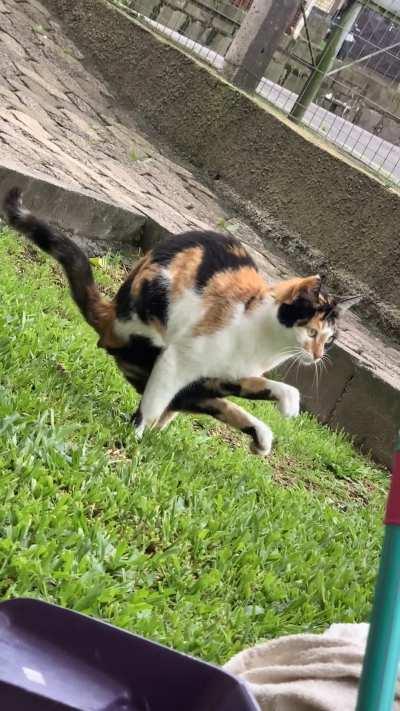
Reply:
x=288 y=398
x=264 y=436
x=135 y=327
x=250 y=345
x=306 y=341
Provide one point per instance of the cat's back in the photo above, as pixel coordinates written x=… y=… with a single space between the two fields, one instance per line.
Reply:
x=186 y=279
x=193 y=258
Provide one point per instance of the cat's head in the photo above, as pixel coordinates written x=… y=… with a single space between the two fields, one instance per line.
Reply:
x=305 y=307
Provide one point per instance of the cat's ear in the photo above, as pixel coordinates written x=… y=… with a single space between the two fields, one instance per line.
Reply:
x=311 y=285
x=288 y=291
x=344 y=303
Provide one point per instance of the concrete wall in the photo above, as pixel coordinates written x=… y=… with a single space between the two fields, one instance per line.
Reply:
x=322 y=211
x=212 y=23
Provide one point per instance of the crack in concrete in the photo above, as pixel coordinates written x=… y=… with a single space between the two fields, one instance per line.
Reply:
x=344 y=392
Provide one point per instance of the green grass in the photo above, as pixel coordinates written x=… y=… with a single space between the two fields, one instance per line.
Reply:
x=187 y=538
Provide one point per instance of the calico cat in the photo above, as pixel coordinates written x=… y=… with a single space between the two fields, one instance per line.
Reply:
x=195 y=321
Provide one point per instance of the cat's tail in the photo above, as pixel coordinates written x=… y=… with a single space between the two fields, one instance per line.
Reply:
x=97 y=311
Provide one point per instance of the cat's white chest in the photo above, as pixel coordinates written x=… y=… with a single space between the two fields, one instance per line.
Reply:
x=243 y=349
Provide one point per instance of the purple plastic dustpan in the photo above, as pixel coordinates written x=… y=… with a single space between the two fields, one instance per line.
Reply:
x=51 y=658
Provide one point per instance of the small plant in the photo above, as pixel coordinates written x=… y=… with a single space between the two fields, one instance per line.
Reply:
x=40 y=30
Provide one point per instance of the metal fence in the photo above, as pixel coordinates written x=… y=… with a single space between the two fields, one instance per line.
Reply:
x=205 y=27
x=357 y=107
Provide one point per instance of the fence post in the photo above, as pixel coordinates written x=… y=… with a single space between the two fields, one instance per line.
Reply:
x=256 y=41
x=325 y=61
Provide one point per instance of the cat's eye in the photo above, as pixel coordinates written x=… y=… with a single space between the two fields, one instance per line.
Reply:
x=330 y=343
x=312 y=332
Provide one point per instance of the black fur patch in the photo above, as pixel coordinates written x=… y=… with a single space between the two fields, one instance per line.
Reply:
x=231 y=389
x=253 y=434
x=261 y=395
x=138 y=382
x=204 y=389
x=195 y=392
x=217 y=253
x=198 y=407
x=152 y=301
x=141 y=354
x=139 y=351
x=124 y=300
x=329 y=344
x=301 y=309
x=330 y=312
x=137 y=418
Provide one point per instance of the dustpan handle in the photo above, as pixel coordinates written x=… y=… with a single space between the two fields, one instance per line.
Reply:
x=381 y=662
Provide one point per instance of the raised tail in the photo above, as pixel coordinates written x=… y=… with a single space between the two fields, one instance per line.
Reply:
x=97 y=311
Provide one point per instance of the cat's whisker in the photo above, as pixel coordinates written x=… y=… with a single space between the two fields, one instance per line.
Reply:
x=324 y=364
x=297 y=362
x=295 y=356
x=315 y=377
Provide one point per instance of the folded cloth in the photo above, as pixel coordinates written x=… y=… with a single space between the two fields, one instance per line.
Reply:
x=307 y=671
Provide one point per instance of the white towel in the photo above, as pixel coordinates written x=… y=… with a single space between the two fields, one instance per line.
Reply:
x=306 y=672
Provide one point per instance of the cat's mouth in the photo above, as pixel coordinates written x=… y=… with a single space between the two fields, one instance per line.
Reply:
x=308 y=359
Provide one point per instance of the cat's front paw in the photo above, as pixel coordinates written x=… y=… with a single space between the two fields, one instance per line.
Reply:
x=289 y=402
x=139 y=424
x=262 y=439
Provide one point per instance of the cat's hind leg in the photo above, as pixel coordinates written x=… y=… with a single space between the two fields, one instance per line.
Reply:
x=233 y=415
x=260 y=388
x=165 y=420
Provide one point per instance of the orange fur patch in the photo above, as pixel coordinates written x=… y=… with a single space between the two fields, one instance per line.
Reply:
x=101 y=315
x=237 y=250
x=253 y=385
x=287 y=291
x=226 y=289
x=183 y=270
x=229 y=413
x=144 y=270
x=317 y=345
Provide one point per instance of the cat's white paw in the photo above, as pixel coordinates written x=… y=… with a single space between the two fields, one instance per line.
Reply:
x=139 y=430
x=262 y=443
x=289 y=402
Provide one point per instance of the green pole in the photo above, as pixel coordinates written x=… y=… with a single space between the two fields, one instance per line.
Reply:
x=382 y=656
x=325 y=61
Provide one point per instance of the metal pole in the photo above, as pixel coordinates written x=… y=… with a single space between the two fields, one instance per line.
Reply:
x=328 y=56
x=382 y=656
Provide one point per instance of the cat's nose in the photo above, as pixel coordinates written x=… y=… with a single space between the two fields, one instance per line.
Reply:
x=318 y=354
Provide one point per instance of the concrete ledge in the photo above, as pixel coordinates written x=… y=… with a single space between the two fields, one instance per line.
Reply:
x=93 y=223
x=355 y=398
